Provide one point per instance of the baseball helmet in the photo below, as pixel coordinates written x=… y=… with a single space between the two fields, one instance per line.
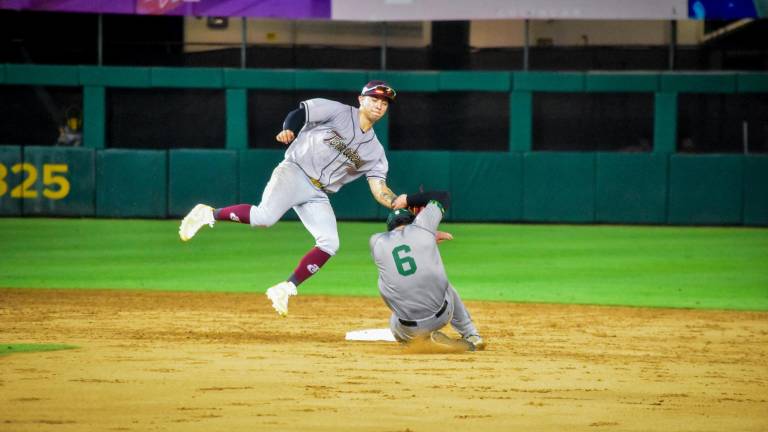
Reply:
x=379 y=89
x=399 y=217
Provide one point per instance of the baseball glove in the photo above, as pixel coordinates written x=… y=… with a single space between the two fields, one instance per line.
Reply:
x=416 y=210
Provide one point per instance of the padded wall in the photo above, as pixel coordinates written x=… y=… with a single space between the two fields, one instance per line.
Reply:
x=487 y=186
x=201 y=176
x=59 y=181
x=756 y=190
x=631 y=188
x=705 y=189
x=9 y=157
x=509 y=187
x=559 y=187
x=132 y=183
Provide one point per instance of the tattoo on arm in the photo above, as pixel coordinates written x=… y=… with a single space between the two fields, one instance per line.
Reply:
x=381 y=192
x=388 y=197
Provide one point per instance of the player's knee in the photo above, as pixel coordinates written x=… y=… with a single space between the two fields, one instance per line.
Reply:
x=263 y=223
x=329 y=245
x=262 y=218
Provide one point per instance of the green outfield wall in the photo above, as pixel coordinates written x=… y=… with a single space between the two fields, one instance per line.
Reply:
x=509 y=187
x=660 y=187
x=132 y=183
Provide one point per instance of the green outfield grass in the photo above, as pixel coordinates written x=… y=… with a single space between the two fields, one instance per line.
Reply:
x=724 y=268
x=7 y=348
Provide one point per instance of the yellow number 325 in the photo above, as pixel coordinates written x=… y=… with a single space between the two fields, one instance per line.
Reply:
x=51 y=176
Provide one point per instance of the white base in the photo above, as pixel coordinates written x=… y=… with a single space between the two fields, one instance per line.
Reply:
x=383 y=334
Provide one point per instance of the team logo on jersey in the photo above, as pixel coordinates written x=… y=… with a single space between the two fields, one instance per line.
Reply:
x=336 y=142
x=233 y=217
x=313 y=268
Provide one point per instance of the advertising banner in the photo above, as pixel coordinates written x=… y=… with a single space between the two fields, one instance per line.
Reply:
x=727 y=10
x=294 y=9
x=412 y=10
x=439 y=10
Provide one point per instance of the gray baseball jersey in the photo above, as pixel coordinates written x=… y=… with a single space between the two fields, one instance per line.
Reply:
x=332 y=149
x=412 y=279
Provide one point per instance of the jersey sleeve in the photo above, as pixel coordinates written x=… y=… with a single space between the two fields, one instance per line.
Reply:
x=379 y=168
x=430 y=217
x=321 y=110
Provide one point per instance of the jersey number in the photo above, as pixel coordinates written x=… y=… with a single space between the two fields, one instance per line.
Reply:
x=406 y=266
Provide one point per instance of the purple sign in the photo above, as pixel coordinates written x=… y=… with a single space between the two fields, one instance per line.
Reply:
x=295 y=9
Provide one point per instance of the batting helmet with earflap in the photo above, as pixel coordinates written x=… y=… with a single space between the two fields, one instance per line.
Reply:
x=399 y=217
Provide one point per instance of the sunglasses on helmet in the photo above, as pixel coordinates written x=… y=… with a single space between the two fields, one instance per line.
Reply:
x=380 y=90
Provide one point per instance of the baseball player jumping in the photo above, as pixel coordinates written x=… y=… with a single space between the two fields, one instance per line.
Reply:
x=412 y=279
x=329 y=145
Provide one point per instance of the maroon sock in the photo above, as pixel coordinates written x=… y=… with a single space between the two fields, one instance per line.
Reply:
x=309 y=265
x=236 y=213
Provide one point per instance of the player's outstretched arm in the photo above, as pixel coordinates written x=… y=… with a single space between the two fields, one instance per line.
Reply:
x=384 y=195
x=419 y=200
x=430 y=208
x=293 y=123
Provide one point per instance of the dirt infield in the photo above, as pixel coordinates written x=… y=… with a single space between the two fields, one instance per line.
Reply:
x=214 y=362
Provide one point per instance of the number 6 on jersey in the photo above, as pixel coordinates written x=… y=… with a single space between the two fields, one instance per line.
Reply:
x=401 y=259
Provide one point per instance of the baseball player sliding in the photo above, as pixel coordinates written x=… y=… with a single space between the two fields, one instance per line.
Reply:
x=412 y=279
x=329 y=145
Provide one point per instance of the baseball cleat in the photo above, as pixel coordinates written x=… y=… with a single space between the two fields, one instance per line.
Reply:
x=446 y=342
x=194 y=220
x=476 y=341
x=279 y=295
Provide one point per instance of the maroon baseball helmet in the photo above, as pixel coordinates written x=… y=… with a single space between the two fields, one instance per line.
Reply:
x=379 y=89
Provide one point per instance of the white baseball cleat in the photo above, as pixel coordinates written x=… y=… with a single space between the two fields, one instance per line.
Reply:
x=194 y=220
x=476 y=341
x=279 y=295
x=446 y=342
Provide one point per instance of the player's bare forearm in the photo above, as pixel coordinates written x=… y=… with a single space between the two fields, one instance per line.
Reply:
x=381 y=192
x=442 y=236
x=384 y=195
